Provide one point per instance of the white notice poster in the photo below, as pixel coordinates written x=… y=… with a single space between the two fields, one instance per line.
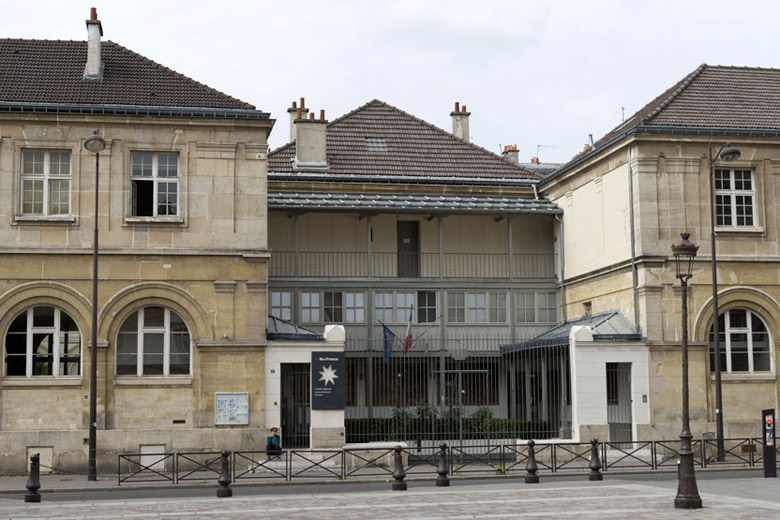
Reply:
x=231 y=408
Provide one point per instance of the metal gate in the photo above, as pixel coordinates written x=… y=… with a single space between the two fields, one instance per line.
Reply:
x=619 y=402
x=296 y=409
x=461 y=391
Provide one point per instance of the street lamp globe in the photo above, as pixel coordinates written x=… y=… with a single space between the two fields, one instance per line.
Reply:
x=684 y=252
x=95 y=143
x=728 y=153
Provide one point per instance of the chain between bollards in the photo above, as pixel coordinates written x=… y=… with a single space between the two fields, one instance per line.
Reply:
x=224 y=490
x=34 y=482
x=398 y=472
x=595 y=463
x=530 y=465
x=443 y=479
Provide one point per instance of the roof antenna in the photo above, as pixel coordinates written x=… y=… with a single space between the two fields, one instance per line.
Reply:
x=542 y=146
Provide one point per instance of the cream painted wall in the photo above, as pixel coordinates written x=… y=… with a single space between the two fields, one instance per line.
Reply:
x=596 y=223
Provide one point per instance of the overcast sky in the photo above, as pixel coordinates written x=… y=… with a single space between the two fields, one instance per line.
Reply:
x=530 y=72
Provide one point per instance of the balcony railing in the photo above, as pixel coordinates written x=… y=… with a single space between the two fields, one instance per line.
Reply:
x=329 y=264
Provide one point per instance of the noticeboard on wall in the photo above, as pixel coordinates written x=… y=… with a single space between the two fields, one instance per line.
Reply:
x=231 y=408
x=327 y=381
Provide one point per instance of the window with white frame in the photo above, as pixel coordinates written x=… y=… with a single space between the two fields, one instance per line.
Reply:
x=397 y=307
x=404 y=307
x=281 y=305
x=476 y=307
x=383 y=307
x=42 y=341
x=154 y=184
x=310 y=307
x=744 y=343
x=337 y=307
x=734 y=198
x=426 y=306
x=45 y=182
x=153 y=341
x=533 y=307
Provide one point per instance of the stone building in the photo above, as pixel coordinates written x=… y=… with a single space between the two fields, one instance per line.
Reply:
x=393 y=227
x=625 y=202
x=183 y=254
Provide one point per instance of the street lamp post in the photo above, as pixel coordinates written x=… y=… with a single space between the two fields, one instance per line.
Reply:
x=687 y=491
x=95 y=144
x=727 y=153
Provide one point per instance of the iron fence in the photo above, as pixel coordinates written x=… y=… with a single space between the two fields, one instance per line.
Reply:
x=372 y=463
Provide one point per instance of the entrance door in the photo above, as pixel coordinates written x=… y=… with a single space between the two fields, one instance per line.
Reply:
x=296 y=409
x=619 y=402
x=408 y=249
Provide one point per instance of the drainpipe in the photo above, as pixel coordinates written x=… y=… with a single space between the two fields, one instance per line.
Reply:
x=562 y=264
x=633 y=241
x=536 y=191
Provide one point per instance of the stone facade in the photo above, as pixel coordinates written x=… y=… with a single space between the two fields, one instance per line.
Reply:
x=670 y=177
x=207 y=263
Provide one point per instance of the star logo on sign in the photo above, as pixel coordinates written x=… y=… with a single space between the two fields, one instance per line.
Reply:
x=328 y=375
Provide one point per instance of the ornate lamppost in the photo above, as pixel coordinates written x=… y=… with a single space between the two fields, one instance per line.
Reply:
x=726 y=153
x=687 y=491
x=95 y=144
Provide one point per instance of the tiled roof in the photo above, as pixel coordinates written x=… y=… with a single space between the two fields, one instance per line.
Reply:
x=409 y=202
x=49 y=71
x=413 y=148
x=713 y=96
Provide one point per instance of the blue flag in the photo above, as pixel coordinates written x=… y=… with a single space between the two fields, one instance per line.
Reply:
x=389 y=340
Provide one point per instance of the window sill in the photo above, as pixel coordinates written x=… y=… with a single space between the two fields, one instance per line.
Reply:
x=12 y=382
x=131 y=381
x=44 y=219
x=739 y=231
x=154 y=220
x=763 y=377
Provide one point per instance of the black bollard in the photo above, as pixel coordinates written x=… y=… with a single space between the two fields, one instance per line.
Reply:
x=34 y=482
x=224 y=490
x=398 y=473
x=595 y=464
x=530 y=465
x=442 y=480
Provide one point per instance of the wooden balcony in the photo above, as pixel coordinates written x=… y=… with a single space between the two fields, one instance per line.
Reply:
x=328 y=264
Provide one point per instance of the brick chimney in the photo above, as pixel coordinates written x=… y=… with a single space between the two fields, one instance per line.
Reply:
x=310 y=141
x=460 y=122
x=511 y=154
x=293 y=113
x=93 y=70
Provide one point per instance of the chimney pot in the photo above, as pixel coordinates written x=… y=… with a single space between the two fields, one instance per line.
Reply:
x=511 y=154
x=460 y=122
x=322 y=115
x=296 y=112
x=93 y=69
x=303 y=104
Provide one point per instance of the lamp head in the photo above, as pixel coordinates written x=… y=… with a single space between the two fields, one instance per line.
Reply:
x=684 y=252
x=95 y=143
x=728 y=153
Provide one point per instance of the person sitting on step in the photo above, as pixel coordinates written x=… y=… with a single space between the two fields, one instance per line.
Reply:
x=273 y=446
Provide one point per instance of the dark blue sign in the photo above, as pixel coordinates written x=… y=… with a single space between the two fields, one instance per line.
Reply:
x=327 y=380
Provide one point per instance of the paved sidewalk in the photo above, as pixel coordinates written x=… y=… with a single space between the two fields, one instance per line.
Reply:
x=618 y=497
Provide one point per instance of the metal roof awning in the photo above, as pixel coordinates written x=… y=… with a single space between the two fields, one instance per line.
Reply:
x=409 y=203
x=607 y=326
x=283 y=330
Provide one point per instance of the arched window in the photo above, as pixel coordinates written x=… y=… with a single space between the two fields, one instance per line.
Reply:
x=42 y=341
x=153 y=341
x=744 y=343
